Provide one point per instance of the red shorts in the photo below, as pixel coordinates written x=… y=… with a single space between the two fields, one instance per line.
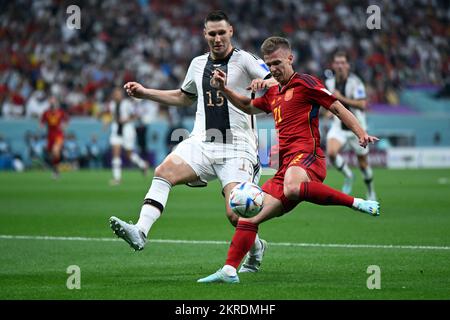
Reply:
x=315 y=167
x=54 y=139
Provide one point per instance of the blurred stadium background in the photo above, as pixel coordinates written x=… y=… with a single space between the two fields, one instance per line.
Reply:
x=405 y=66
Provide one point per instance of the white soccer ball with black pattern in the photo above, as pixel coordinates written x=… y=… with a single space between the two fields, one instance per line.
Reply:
x=246 y=199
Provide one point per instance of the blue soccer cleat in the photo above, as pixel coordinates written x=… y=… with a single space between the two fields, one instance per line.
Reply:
x=219 y=277
x=369 y=207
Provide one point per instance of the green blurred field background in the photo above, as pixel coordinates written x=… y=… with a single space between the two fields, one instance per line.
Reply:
x=415 y=212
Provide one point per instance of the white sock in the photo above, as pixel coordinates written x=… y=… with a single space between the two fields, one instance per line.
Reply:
x=229 y=270
x=137 y=160
x=356 y=202
x=256 y=247
x=154 y=203
x=342 y=166
x=116 y=164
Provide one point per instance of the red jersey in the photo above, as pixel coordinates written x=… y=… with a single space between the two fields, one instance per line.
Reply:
x=54 y=120
x=295 y=109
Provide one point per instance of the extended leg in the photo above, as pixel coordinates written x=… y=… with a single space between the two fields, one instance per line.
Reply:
x=171 y=172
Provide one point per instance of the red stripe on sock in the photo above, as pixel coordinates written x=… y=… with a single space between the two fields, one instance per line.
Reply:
x=242 y=241
x=322 y=194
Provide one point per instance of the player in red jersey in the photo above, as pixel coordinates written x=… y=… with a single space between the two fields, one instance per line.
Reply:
x=294 y=104
x=55 y=119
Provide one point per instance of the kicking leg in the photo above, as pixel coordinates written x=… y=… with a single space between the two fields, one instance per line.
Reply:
x=171 y=172
x=297 y=187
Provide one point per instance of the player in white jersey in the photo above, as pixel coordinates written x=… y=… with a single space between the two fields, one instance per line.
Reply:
x=223 y=143
x=123 y=134
x=350 y=91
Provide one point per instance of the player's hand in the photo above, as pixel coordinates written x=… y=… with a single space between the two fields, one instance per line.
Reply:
x=338 y=94
x=258 y=84
x=366 y=139
x=135 y=90
x=218 y=79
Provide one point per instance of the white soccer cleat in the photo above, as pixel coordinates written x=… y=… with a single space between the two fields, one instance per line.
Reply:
x=252 y=263
x=219 y=276
x=128 y=232
x=369 y=207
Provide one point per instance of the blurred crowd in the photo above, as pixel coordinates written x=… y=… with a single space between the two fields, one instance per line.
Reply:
x=153 y=41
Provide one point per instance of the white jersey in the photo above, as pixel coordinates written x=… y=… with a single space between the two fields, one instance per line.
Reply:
x=122 y=111
x=217 y=120
x=122 y=134
x=352 y=88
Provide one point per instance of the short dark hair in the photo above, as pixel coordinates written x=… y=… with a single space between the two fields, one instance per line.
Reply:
x=217 y=15
x=272 y=44
x=340 y=53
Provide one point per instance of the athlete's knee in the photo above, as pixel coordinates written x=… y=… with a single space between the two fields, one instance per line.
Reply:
x=166 y=172
x=291 y=190
x=363 y=163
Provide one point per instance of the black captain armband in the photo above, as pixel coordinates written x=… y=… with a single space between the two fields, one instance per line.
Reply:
x=154 y=203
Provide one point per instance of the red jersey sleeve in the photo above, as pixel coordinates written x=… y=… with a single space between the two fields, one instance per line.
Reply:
x=262 y=103
x=316 y=92
x=322 y=96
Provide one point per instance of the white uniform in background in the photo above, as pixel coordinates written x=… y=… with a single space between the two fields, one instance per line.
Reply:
x=122 y=134
x=353 y=88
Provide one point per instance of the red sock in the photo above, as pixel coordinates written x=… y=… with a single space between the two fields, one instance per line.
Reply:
x=322 y=194
x=243 y=240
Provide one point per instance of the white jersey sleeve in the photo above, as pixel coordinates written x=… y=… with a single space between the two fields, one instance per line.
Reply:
x=255 y=66
x=189 y=85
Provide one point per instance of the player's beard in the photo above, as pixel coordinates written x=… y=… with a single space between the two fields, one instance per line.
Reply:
x=220 y=52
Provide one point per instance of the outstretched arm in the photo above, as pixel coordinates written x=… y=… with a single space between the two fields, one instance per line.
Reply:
x=239 y=101
x=350 y=121
x=355 y=103
x=169 y=97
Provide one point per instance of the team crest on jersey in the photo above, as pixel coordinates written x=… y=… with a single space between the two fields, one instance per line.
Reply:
x=288 y=95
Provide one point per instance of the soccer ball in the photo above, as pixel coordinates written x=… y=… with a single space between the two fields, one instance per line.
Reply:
x=246 y=199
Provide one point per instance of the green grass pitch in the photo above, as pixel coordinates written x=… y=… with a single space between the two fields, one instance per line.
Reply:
x=415 y=212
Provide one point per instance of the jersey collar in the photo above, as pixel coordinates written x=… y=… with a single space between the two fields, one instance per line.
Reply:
x=222 y=60
x=282 y=88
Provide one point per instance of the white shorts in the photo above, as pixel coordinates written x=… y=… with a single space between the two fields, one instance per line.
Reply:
x=127 y=139
x=211 y=160
x=347 y=138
